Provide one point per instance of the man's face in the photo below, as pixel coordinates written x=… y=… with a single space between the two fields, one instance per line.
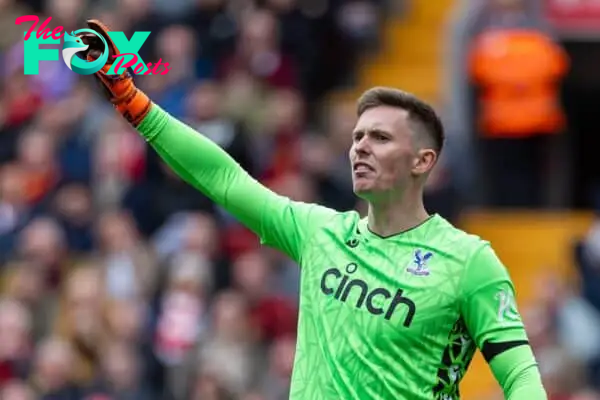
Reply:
x=384 y=155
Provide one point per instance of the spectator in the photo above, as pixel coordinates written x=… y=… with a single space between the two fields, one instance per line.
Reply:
x=52 y=374
x=129 y=266
x=205 y=114
x=25 y=283
x=279 y=374
x=274 y=315
x=121 y=374
x=17 y=390
x=37 y=156
x=43 y=242
x=72 y=206
x=518 y=101
x=208 y=387
x=326 y=158
x=279 y=144
x=15 y=340
x=176 y=42
x=258 y=52
x=14 y=210
x=230 y=351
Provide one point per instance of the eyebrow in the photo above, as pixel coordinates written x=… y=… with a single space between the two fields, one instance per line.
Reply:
x=372 y=130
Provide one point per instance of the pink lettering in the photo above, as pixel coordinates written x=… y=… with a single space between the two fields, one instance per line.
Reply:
x=128 y=64
x=138 y=68
x=166 y=70
x=156 y=70
x=148 y=71
x=57 y=33
x=28 y=18
x=43 y=30
x=156 y=67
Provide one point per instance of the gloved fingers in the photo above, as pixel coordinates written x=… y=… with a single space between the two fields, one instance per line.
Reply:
x=103 y=30
x=96 y=47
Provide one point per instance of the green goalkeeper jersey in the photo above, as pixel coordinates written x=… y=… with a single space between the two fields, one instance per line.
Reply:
x=395 y=317
x=380 y=318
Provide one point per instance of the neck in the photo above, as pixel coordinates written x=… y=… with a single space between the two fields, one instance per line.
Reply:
x=395 y=215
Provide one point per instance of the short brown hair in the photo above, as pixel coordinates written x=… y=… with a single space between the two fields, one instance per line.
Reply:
x=419 y=112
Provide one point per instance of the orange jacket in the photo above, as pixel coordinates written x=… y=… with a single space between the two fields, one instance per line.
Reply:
x=518 y=73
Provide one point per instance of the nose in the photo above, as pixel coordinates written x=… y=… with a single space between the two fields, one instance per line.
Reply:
x=361 y=147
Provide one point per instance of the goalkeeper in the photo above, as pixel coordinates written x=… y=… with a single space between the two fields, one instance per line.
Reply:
x=394 y=305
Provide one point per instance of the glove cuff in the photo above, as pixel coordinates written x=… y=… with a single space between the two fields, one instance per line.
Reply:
x=127 y=99
x=134 y=106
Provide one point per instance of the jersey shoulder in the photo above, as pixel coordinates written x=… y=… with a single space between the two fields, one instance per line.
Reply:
x=455 y=242
x=340 y=225
x=343 y=222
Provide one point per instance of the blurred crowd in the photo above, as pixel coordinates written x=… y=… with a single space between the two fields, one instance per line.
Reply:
x=563 y=325
x=510 y=136
x=121 y=282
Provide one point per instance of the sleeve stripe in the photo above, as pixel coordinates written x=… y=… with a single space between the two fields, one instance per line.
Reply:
x=491 y=350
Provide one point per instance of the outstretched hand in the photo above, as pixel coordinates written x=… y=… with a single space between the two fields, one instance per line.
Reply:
x=120 y=89
x=96 y=47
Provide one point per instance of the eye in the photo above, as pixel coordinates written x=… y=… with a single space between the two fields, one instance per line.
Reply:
x=379 y=137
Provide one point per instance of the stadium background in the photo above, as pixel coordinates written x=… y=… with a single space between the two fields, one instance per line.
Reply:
x=119 y=281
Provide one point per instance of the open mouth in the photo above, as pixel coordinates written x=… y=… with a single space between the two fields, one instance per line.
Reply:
x=362 y=167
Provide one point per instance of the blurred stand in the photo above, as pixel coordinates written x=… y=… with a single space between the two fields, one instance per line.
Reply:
x=119 y=281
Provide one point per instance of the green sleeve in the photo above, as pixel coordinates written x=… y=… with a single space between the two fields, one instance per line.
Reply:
x=278 y=221
x=518 y=374
x=490 y=312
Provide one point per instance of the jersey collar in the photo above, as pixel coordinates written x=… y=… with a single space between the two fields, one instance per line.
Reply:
x=363 y=227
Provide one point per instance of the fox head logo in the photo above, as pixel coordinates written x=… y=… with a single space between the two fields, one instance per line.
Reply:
x=73 y=45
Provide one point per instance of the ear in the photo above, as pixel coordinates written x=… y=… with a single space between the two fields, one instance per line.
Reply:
x=424 y=162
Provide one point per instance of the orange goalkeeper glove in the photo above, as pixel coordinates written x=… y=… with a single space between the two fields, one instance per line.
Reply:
x=127 y=99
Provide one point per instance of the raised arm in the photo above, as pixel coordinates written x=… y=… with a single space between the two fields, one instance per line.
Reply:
x=493 y=320
x=278 y=221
